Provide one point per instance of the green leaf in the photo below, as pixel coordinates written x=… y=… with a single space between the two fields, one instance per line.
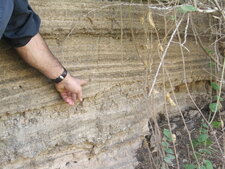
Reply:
x=219 y=98
x=190 y=166
x=169 y=158
x=214 y=108
x=187 y=8
x=203 y=130
x=205 y=125
x=215 y=86
x=208 y=164
x=169 y=151
x=208 y=142
x=197 y=154
x=195 y=143
x=206 y=151
x=165 y=144
x=216 y=124
x=203 y=137
x=167 y=134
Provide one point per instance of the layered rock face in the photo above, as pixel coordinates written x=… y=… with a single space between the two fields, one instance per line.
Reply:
x=115 y=47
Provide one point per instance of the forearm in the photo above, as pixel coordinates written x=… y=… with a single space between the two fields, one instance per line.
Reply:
x=37 y=54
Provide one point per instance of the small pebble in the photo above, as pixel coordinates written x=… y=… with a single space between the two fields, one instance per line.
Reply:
x=178 y=133
x=185 y=160
x=193 y=113
x=173 y=126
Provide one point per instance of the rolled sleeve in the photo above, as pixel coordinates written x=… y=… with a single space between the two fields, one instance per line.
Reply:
x=6 y=9
x=23 y=24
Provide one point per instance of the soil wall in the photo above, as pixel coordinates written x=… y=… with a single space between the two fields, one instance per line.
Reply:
x=116 y=49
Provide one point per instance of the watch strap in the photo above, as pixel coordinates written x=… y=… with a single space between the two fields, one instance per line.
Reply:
x=61 y=77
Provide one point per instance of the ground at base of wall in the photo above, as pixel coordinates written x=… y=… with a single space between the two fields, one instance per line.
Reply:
x=169 y=146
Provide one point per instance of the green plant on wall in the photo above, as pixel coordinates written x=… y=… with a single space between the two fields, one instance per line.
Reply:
x=167 y=144
x=214 y=107
x=202 y=144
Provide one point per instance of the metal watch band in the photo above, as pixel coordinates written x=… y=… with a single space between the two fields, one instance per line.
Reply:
x=61 y=77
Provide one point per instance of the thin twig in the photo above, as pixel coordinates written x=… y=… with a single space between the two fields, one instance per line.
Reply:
x=219 y=94
x=164 y=55
x=185 y=81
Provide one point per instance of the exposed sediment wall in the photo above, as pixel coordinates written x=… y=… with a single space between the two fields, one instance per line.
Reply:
x=38 y=130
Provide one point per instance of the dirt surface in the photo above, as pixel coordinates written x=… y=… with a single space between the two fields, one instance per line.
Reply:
x=150 y=157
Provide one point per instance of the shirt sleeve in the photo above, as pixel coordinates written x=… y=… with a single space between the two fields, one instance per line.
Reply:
x=23 y=24
x=6 y=9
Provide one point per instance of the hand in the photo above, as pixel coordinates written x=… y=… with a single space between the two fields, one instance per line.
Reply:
x=70 y=89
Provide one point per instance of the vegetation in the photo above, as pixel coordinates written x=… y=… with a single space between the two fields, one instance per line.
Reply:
x=203 y=146
x=205 y=143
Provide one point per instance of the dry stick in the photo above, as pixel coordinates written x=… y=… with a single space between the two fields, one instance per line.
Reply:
x=104 y=7
x=195 y=3
x=154 y=132
x=164 y=87
x=158 y=69
x=148 y=70
x=182 y=117
x=221 y=151
x=189 y=135
x=185 y=78
x=216 y=53
x=219 y=8
x=201 y=44
x=119 y=4
x=222 y=76
x=134 y=39
x=223 y=66
x=129 y=4
x=152 y=24
x=217 y=102
x=168 y=119
x=164 y=55
x=212 y=75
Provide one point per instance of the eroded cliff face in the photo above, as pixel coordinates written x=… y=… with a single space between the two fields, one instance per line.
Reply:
x=94 y=41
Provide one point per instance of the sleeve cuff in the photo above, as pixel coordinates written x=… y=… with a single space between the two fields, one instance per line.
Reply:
x=18 y=42
x=23 y=25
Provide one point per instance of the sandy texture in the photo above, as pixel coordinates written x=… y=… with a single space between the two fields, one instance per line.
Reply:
x=38 y=131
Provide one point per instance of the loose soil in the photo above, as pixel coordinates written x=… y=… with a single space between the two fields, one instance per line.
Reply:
x=151 y=155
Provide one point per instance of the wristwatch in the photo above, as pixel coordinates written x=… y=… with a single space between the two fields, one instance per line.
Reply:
x=61 y=77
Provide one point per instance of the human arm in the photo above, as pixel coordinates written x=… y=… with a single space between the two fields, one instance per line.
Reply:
x=37 y=54
x=22 y=34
